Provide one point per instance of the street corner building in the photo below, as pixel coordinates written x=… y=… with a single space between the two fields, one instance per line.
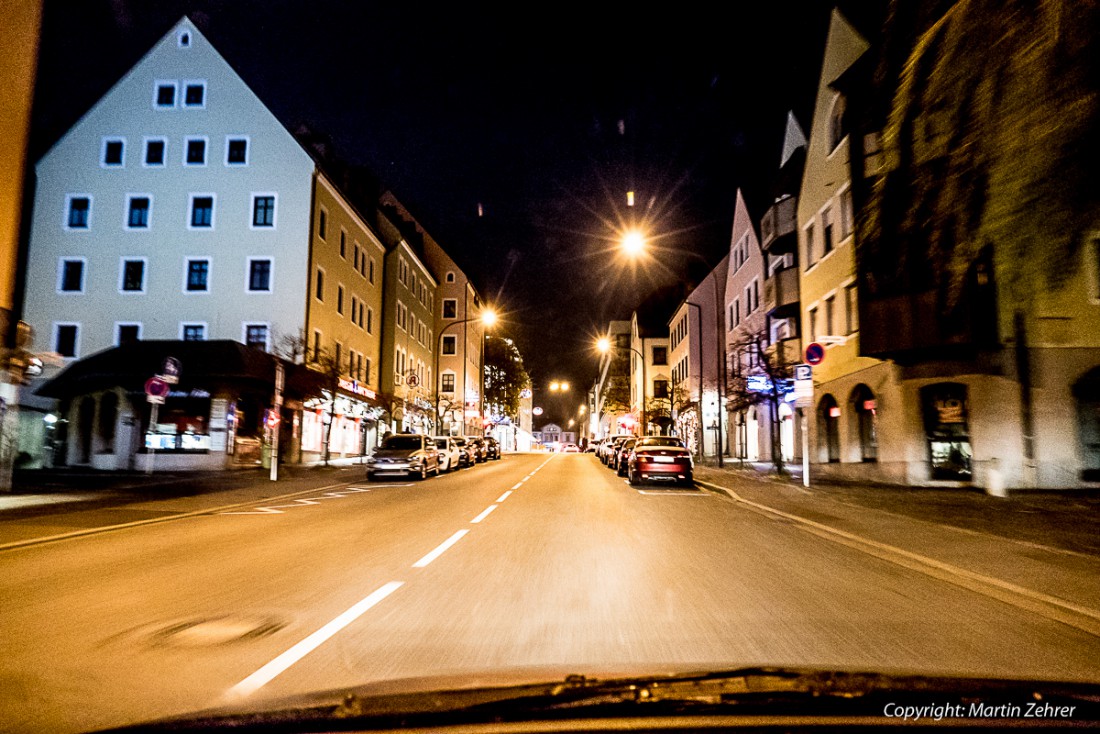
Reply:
x=950 y=250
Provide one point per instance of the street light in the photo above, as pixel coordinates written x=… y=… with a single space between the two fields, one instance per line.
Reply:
x=487 y=317
x=559 y=387
x=603 y=345
x=633 y=243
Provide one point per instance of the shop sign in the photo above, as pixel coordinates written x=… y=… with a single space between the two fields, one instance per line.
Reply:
x=356 y=388
x=193 y=393
x=170 y=370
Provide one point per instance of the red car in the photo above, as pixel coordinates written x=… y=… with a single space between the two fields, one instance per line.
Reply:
x=659 y=459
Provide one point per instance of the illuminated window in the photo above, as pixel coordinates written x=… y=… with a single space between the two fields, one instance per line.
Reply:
x=447 y=382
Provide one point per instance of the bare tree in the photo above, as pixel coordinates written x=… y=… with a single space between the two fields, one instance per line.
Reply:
x=759 y=375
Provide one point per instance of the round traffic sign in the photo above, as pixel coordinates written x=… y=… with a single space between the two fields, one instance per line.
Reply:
x=156 y=387
x=815 y=353
x=412 y=380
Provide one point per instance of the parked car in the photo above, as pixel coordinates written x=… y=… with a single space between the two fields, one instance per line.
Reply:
x=404 y=454
x=570 y=448
x=477 y=448
x=618 y=460
x=659 y=459
x=493 y=447
x=449 y=455
x=609 y=448
x=465 y=456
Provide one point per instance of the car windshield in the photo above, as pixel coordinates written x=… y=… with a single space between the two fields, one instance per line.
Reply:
x=403 y=443
x=809 y=293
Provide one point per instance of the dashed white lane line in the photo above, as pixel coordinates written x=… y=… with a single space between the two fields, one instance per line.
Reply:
x=517 y=485
x=268 y=672
x=440 y=549
x=505 y=495
x=484 y=514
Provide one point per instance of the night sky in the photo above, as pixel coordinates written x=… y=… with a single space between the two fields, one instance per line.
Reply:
x=545 y=115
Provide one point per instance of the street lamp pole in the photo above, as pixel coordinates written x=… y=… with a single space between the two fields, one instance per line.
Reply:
x=487 y=317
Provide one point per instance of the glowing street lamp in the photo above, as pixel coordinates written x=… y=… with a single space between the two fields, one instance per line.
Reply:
x=633 y=243
x=559 y=386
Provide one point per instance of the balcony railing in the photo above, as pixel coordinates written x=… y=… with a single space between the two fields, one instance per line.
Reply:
x=779 y=220
x=781 y=293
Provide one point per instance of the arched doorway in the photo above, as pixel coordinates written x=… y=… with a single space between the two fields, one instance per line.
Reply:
x=786 y=431
x=864 y=413
x=828 y=423
x=1086 y=393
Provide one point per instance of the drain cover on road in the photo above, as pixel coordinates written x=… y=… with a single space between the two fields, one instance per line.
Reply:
x=216 y=631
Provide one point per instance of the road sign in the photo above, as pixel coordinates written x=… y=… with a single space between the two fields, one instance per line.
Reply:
x=156 y=390
x=815 y=353
x=170 y=370
x=803 y=386
x=412 y=380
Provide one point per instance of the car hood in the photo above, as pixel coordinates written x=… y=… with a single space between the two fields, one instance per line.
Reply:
x=551 y=694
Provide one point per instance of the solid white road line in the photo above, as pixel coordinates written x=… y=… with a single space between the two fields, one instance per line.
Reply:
x=268 y=672
x=484 y=514
x=440 y=549
x=505 y=495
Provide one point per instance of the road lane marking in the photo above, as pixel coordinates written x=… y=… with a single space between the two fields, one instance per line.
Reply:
x=517 y=485
x=14 y=545
x=484 y=514
x=278 y=509
x=1044 y=605
x=267 y=673
x=674 y=492
x=505 y=495
x=440 y=549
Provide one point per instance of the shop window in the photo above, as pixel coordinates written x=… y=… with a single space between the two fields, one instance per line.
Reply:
x=946 y=427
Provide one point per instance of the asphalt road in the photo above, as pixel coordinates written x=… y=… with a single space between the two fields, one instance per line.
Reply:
x=536 y=562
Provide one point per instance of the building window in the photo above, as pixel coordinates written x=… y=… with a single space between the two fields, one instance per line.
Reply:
x=370 y=320
x=263 y=211
x=660 y=355
x=194 y=94
x=316 y=345
x=80 y=207
x=322 y=224
x=343 y=244
x=66 y=340
x=370 y=276
x=337 y=354
x=340 y=299
x=830 y=313
x=813 y=324
x=165 y=95
x=138 y=216
x=127 y=333
x=255 y=335
x=846 y=213
x=827 y=229
x=359 y=317
x=851 y=308
x=193 y=332
x=236 y=151
x=70 y=277
x=447 y=382
x=836 y=123
x=450 y=308
x=133 y=276
x=450 y=344
x=154 y=152
x=198 y=276
x=809 y=245
x=259 y=275
x=366 y=369
x=450 y=277
x=113 y=150
x=402 y=316
x=202 y=211
x=195 y=152
x=660 y=388
x=184 y=39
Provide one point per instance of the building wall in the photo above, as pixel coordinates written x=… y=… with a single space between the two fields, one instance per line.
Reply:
x=275 y=166
x=409 y=289
x=351 y=258
x=826 y=275
x=644 y=370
